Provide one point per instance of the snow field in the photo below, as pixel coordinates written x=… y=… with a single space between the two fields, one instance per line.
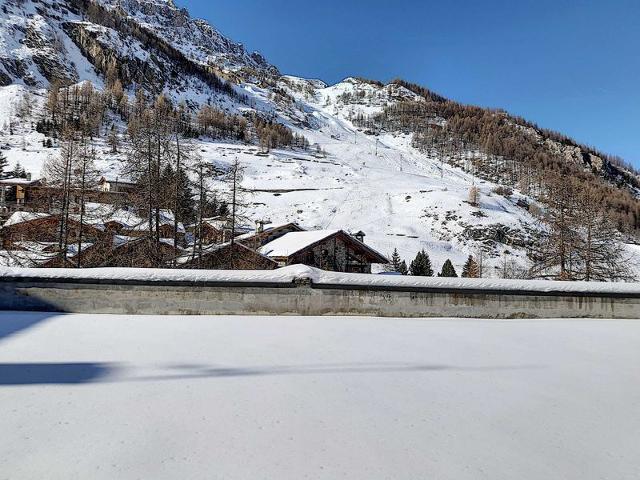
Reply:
x=102 y=397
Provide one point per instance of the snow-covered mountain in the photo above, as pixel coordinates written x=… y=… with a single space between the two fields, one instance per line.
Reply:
x=352 y=178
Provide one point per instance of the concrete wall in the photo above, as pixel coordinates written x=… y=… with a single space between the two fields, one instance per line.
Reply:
x=166 y=298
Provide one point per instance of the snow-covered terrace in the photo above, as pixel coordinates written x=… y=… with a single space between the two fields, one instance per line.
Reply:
x=105 y=397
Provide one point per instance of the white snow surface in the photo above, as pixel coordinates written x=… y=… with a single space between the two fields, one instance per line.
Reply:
x=293 y=242
x=127 y=397
x=302 y=272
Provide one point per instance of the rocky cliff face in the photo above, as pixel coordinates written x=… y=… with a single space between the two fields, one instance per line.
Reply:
x=195 y=38
x=152 y=41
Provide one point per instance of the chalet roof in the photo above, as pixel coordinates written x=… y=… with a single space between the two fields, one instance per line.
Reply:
x=51 y=247
x=24 y=217
x=36 y=255
x=106 y=213
x=268 y=229
x=122 y=240
x=166 y=218
x=219 y=223
x=291 y=243
x=123 y=181
x=18 y=218
x=213 y=248
x=294 y=242
x=18 y=181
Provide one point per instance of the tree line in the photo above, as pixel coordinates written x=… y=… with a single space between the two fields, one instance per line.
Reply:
x=421 y=266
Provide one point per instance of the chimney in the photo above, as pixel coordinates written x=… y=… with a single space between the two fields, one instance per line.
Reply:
x=360 y=236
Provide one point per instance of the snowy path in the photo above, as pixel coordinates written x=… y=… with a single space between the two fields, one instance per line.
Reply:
x=103 y=397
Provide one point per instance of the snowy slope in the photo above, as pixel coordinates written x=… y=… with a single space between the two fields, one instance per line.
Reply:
x=400 y=197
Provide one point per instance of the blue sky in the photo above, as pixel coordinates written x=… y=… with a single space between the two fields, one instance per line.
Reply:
x=573 y=66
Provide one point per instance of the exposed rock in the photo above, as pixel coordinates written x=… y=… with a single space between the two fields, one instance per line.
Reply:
x=498 y=233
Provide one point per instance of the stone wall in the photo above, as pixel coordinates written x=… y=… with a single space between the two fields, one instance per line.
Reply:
x=166 y=298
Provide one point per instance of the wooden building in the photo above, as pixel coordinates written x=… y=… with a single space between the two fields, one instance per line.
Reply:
x=333 y=250
x=264 y=235
x=226 y=256
x=115 y=185
x=17 y=195
x=215 y=230
x=44 y=228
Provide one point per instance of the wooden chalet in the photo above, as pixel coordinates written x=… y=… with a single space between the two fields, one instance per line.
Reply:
x=333 y=250
x=227 y=256
x=17 y=195
x=165 y=228
x=264 y=235
x=135 y=252
x=44 y=228
x=115 y=185
x=215 y=230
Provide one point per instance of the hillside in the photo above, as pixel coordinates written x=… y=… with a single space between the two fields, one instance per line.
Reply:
x=370 y=166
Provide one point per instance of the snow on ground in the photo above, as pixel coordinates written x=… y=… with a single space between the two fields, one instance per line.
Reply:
x=103 y=397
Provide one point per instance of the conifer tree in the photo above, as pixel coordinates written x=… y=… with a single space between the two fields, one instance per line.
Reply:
x=3 y=166
x=421 y=266
x=395 y=261
x=19 y=171
x=403 y=268
x=471 y=268
x=448 y=270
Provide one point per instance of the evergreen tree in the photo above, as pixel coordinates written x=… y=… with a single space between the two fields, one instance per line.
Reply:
x=185 y=209
x=19 y=171
x=471 y=269
x=395 y=261
x=403 y=268
x=421 y=266
x=3 y=166
x=448 y=270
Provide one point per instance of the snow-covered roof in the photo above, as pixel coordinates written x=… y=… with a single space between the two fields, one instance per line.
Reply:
x=291 y=243
x=18 y=218
x=117 y=180
x=17 y=181
x=51 y=247
x=267 y=229
x=121 y=240
x=219 y=223
x=166 y=218
x=106 y=213
x=207 y=249
x=24 y=217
